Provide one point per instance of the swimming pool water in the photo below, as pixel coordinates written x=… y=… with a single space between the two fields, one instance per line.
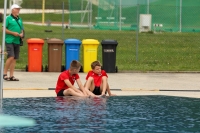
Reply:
x=119 y=114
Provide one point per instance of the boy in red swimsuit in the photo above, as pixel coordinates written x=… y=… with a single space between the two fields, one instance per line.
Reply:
x=65 y=84
x=97 y=80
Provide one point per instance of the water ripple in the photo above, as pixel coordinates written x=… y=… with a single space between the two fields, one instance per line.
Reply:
x=112 y=114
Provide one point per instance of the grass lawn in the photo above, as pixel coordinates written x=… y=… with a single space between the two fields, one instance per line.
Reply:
x=156 y=52
x=167 y=51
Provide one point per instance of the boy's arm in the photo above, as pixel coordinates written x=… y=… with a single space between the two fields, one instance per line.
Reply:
x=85 y=83
x=109 y=92
x=108 y=89
x=68 y=83
x=81 y=86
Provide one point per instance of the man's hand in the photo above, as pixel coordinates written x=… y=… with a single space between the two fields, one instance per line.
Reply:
x=2 y=53
x=21 y=35
x=16 y=34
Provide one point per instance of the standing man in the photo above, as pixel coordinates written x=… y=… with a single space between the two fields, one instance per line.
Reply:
x=14 y=31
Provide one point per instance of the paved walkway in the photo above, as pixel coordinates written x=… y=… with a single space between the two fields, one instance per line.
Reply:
x=41 y=84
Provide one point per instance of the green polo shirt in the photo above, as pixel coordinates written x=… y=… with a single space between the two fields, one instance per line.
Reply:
x=12 y=25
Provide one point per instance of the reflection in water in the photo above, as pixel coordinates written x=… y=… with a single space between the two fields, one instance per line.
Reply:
x=110 y=114
x=78 y=113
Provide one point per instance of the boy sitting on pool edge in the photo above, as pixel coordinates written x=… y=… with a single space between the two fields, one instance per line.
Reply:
x=97 y=80
x=65 y=83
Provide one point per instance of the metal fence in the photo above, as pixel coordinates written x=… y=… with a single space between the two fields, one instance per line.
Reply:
x=153 y=43
x=171 y=15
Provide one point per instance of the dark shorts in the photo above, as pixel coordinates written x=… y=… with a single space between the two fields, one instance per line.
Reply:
x=13 y=50
x=97 y=91
x=60 y=93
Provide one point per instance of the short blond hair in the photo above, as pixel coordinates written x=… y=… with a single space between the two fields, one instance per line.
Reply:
x=94 y=64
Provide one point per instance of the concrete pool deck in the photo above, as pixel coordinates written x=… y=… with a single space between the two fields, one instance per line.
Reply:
x=42 y=84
